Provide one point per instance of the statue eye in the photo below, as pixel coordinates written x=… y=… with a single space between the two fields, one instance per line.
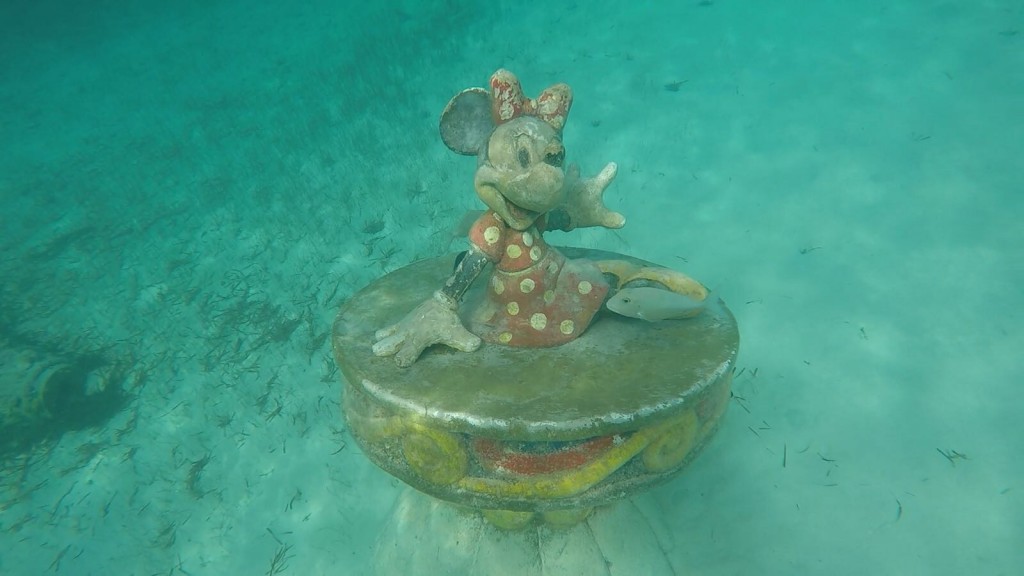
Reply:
x=555 y=158
x=524 y=157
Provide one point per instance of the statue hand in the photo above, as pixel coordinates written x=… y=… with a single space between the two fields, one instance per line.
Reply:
x=585 y=203
x=435 y=321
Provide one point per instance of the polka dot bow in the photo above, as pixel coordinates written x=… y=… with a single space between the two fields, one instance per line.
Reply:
x=508 y=101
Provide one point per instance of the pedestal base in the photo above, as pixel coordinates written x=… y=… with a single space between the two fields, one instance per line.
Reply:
x=428 y=537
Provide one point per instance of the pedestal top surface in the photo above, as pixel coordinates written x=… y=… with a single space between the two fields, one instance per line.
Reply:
x=622 y=373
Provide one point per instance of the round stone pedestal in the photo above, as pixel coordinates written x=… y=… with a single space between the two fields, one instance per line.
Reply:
x=539 y=434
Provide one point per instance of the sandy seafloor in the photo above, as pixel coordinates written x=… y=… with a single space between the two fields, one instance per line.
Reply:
x=195 y=187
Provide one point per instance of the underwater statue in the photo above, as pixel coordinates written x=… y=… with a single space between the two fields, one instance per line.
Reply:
x=536 y=297
x=580 y=384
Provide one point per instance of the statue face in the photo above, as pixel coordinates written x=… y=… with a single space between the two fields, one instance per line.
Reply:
x=521 y=176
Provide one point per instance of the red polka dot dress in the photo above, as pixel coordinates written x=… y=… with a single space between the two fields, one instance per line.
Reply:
x=536 y=297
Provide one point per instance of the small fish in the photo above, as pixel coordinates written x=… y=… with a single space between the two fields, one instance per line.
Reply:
x=461 y=229
x=654 y=304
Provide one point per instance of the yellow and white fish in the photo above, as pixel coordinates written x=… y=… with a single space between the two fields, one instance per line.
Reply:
x=654 y=304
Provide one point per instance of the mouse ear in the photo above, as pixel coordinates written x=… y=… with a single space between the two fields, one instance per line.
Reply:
x=466 y=122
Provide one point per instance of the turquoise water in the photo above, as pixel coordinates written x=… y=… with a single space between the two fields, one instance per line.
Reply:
x=190 y=190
